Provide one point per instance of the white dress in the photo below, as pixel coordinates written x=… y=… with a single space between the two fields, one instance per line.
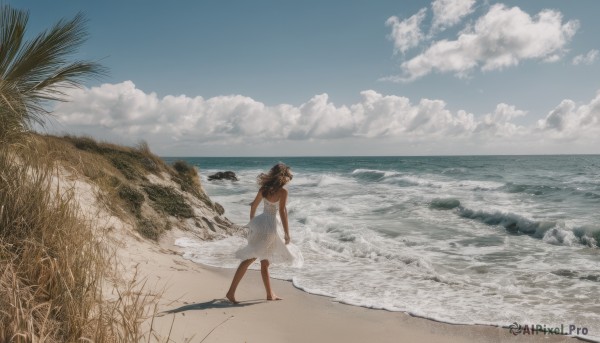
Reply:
x=265 y=239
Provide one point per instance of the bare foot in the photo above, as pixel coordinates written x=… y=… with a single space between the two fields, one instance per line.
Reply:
x=274 y=297
x=231 y=298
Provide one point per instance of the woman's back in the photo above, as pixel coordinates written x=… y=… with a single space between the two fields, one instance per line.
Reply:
x=269 y=207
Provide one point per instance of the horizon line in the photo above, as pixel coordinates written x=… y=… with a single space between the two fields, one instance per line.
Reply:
x=474 y=155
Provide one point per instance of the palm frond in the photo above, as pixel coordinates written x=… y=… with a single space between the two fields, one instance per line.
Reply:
x=68 y=76
x=36 y=72
x=48 y=50
x=12 y=30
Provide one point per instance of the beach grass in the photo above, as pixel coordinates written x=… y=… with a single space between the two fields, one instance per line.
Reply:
x=121 y=174
x=54 y=262
x=188 y=179
x=58 y=281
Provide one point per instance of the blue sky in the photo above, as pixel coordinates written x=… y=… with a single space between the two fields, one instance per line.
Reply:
x=232 y=78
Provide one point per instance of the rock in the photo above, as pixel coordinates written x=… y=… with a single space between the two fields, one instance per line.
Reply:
x=227 y=175
x=219 y=208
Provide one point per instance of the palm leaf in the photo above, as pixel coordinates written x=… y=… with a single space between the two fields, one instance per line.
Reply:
x=12 y=30
x=38 y=71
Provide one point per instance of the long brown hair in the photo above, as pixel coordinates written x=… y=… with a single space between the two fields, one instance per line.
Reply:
x=277 y=177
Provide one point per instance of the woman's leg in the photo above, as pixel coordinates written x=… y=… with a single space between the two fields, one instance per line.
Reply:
x=264 y=271
x=239 y=274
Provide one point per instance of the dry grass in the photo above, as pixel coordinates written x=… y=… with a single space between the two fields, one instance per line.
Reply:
x=53 y=263
x=188 y=179
x=120 y=174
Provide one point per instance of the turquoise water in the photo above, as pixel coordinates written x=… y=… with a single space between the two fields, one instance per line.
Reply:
x=478 y=239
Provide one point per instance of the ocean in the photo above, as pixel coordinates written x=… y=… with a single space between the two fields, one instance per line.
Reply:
x=464 y=239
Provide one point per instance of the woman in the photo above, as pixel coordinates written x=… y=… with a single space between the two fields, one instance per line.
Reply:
x=264 y=242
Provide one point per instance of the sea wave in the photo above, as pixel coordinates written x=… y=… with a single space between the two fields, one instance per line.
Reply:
x=326 y=180
x=553 y=232
x=373 y=174
x=548 y=190
x=455 y=171
x=573 y=274
x=394 y=178
x=444 y=204
x=550 y=231
x=530 y=189
x=320 y=180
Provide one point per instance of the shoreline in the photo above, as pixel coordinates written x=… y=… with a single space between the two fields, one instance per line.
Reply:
x=193 y=304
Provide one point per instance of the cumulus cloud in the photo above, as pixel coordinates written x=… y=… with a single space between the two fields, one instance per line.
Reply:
x=569 y=121
x=237 y=122
x=499 y=122
x=124 y=109
x=447 y=13
x=588 y=58
x=500 y=38
x=390 y=115
x=406 y=33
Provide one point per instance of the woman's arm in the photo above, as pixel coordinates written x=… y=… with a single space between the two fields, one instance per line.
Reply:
x=283 y=214
x=255 y=203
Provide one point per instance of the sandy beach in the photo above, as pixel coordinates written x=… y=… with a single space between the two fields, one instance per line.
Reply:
x=192 y=309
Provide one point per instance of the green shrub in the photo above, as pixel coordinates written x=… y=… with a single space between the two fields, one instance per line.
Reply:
x=187 y=177
x=149 y=229
x=124 y=167
x=85 y=143
x=167 y=200
x=133 y=198
x=184 y=168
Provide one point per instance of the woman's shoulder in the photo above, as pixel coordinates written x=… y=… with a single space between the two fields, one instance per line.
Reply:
x=282 y=194
x=279 y=195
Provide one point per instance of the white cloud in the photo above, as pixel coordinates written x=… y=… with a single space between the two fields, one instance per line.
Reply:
x=499 y=122
x=124 y=109
x=380 y=115
x=236 y=123
x=569 y=121
x=447 y=13
x=588 y=58
x=501 y=38
x=407 y=33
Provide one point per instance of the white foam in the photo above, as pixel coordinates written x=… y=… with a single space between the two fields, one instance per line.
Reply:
x=327 y=180
x=218 y=253
x=560 y=236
